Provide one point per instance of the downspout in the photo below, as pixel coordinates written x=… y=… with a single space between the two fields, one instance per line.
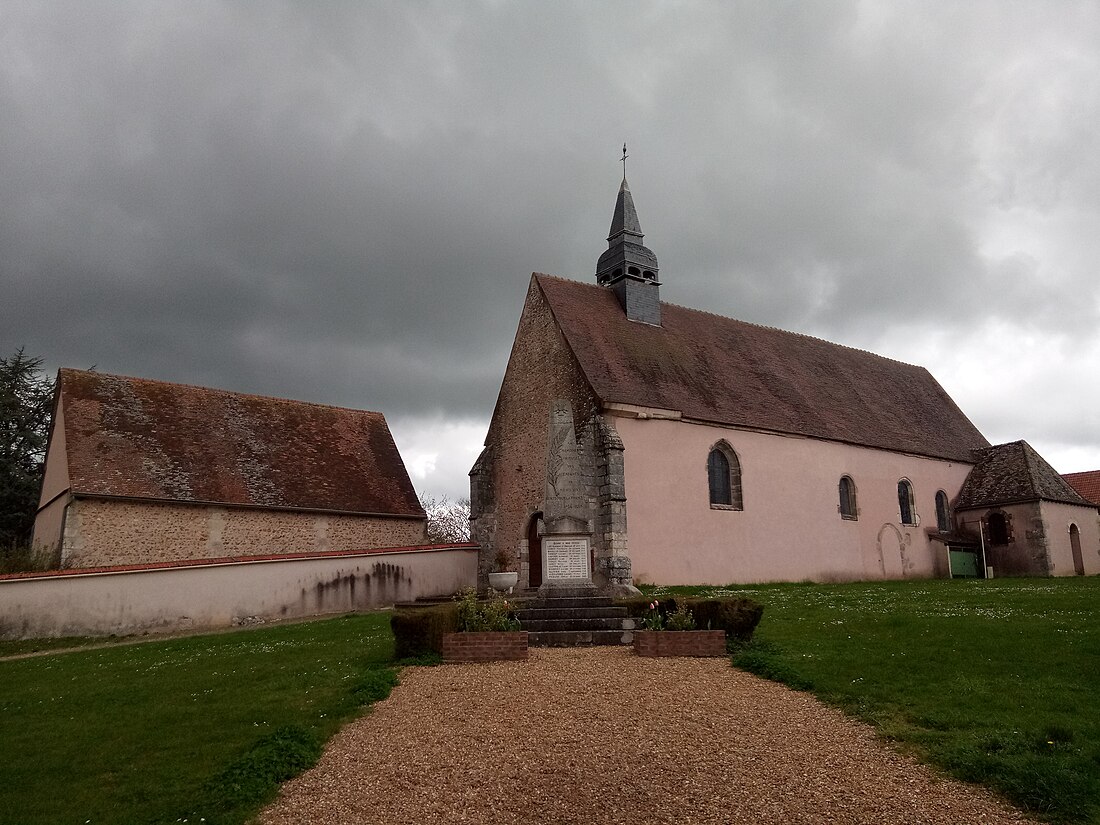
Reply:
x=986 y=572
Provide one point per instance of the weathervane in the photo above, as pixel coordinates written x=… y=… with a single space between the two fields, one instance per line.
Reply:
x=625 y=156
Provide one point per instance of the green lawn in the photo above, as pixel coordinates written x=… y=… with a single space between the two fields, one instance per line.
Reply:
x=198 y=729
x=996 y=682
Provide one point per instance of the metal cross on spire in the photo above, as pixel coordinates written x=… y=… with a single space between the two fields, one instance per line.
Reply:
x=625 y=156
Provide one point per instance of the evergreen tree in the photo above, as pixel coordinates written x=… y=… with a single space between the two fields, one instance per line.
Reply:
x=26 y=403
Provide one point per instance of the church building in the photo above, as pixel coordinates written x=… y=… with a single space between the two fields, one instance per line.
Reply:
x=715 y=451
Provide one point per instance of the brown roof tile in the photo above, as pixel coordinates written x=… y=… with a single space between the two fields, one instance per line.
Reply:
x=1087 y=484
x=717 y=369
x=138 y=438
x=1013 y=472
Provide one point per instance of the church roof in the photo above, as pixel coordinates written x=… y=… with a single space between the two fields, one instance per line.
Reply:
x=136 y=438
x=1011 y=473
x=716 y=369
x=1087 y=484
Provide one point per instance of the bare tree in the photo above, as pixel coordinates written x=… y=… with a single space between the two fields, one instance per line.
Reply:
x=448 y=521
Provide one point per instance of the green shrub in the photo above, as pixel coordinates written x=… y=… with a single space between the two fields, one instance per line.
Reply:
x=681 y=619
x=419 y=632
x=738 y=617
x=494 y=614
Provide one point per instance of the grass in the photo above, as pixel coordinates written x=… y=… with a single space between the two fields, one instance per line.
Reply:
x=996 y=682
x=198 y=729
x=26 y=646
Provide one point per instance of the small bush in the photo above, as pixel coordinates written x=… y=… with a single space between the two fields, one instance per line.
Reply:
x=681 y=619
x=419 y=632
x=738 y=617
x=494 y=614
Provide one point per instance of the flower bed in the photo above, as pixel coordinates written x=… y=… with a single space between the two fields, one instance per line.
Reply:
x=485 y=646
x=679 y=642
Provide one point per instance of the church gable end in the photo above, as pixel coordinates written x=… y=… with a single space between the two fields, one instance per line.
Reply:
x=507 y=483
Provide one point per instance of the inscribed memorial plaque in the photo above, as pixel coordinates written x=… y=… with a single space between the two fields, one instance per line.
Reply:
x=566 y=558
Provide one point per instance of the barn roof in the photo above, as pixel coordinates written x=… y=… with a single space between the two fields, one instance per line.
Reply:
x=136 y=438
x=730 y=372
x=1014 y=472
x=1087 y=484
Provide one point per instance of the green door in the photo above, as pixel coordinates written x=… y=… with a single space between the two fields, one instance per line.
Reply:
x=964 y=564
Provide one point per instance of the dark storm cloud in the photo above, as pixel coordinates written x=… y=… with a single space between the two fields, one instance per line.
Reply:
x=343 y=202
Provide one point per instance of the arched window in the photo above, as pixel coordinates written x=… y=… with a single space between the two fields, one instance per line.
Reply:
x=724 y=477
x=998 y=529
x=848 y=499
x=905 y=502
x=943 y=512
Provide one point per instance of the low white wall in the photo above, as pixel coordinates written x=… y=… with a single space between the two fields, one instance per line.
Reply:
x=209 y=596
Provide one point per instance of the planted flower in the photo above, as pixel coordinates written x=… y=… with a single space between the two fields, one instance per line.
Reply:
x=653 y=618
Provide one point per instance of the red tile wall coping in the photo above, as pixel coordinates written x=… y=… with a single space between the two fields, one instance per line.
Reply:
x=166 y=565
x=485 y=647
x=655 y=643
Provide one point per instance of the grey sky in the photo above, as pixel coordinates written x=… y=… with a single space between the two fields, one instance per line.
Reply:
x=343 y=202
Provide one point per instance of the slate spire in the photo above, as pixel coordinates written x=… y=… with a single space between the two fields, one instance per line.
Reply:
x=628 y=267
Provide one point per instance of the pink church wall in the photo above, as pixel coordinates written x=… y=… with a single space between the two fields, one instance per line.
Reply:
x=790 y=491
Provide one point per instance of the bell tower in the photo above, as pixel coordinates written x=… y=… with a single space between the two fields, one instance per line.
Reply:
x=628 y=267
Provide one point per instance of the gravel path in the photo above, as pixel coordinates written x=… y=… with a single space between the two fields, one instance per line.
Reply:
x=693 y=741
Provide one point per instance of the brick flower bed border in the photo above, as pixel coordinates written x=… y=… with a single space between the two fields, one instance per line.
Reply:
x=510 y=645
x=680 y=642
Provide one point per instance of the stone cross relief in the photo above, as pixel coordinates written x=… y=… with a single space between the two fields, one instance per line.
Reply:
x=564 y=492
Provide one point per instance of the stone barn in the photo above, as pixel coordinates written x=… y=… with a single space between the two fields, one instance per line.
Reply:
x=141 y=472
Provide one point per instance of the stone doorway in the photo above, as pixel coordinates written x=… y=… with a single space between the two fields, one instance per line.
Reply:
x=534 y=551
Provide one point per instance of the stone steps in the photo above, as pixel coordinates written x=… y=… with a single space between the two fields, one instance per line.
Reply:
x=569 y=603
x=588 y=612
x=590 y=623
x=573 y=617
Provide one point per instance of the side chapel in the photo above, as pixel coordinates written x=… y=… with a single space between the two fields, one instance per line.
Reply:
x=714 y=451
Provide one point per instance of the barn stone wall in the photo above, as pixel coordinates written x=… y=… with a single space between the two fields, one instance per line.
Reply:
x=108 y=532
